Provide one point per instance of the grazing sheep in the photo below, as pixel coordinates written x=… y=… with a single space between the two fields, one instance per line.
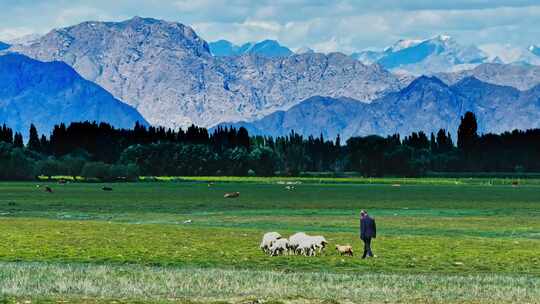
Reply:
x=306 y=247
x=301 y=243
x=319 y=243
x=231 y=195
x=188 y=221
x=290 y=188
x=106 y=189
x=279 y=247
x=294 y=241
x=268 y=239
x=48 y=189
x=345 y=250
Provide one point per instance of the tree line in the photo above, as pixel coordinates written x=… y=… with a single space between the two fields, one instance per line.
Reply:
x=100 y=151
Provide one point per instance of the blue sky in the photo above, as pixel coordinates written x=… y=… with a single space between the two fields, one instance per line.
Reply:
x=341 y=25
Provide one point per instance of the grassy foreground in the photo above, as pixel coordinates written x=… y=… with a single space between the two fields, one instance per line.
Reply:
x=445 y=242
x=131 y=283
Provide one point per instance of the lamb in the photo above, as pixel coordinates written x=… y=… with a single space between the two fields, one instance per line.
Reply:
x=345 y=250
x=268 y=239
x=231 y=195
x=279 y=247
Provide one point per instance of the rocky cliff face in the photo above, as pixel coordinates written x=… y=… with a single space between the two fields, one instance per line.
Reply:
x=51 y=93
x=167 y=72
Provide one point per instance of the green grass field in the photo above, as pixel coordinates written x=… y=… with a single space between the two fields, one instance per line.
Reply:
x=440 y=240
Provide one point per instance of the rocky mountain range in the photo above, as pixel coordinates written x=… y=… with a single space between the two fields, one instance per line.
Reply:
x=51 y=93
x=167 y=72
x=443 y=54
x=266 y=48
x=427 y=104
x=174 y=78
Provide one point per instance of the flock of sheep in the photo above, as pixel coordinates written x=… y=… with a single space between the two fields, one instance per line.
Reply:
x=299 y=243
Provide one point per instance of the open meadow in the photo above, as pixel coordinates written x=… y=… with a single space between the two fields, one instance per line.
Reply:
x=439 y=241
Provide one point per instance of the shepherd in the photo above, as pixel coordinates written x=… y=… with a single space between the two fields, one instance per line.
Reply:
x=368 y=230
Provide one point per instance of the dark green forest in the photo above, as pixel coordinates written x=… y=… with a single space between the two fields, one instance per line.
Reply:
x=99 y=151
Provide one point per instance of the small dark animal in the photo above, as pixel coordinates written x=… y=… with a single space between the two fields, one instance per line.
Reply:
x=106 y=189
x=48 y=189
x=231 y=195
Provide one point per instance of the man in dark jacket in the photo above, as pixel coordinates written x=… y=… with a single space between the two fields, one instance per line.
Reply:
x=368 y=230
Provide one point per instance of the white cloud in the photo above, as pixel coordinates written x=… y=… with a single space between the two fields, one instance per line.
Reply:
x=7 y=34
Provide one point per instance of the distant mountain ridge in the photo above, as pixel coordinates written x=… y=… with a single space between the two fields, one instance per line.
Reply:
x=522 y=77
x=4 y=46
x=51 y=93
x=166 y=71
x=267 y=48
x=427 y=104
x=438 y=54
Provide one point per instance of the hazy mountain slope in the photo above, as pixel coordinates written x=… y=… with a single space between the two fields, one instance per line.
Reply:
x=168 y=73
x=3 y=45
x=522 y=77
x=427 y=104
x=267 y=48
x=50 y=93
x=313 y=116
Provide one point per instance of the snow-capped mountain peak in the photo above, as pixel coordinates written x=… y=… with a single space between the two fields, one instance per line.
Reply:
x=535 y=50
x=440 y=53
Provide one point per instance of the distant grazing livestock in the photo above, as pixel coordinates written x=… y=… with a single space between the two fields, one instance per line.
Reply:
x=268 y=239
x=345 y=250
x=231 y=195
x=62 y=181
x=106 y=189
x=290 y=188
x=48 y=189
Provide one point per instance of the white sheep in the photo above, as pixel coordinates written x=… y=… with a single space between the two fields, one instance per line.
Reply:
x=310 y=245
x=268 y=239
x=294 y=241
x=306 y=247
x=279 y=247
x=319 y=243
